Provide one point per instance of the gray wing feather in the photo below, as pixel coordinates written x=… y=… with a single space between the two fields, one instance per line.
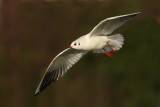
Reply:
x=59 y=65
x=108 y=25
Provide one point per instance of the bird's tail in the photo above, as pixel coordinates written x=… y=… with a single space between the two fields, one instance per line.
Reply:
x=116 y=42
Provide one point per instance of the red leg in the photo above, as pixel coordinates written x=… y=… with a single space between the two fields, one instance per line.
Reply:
x=107 y=53
x=112 y=49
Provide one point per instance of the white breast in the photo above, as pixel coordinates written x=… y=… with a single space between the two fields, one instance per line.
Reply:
x=94 y=43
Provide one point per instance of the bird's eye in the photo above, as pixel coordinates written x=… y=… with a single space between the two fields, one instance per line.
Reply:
x=74 y=44
x=79 y=43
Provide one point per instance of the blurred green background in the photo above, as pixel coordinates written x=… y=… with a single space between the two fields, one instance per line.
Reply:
x=33 y=32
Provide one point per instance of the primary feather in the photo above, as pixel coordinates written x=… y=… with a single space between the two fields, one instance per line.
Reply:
x=59 y=65
x=108 y=25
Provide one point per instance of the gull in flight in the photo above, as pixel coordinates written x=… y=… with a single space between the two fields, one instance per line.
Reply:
x=99 y=40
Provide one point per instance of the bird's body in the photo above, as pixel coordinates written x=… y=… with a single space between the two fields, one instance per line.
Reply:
x=97 y=41
x=92 y=43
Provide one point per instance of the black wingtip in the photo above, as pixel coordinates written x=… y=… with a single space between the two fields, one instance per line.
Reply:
x=134 y=14
x=45 y=82
x=137 y=12
x=36 y=93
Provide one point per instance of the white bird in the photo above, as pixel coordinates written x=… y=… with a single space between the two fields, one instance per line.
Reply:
x=98 y=41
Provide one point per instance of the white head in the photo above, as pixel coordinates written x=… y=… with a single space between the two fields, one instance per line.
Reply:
x=76 y=45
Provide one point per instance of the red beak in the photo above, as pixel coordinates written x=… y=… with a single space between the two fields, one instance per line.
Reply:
x=69 y=47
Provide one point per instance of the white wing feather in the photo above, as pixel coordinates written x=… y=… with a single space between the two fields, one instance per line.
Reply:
x=108 y=25
x=59 y=65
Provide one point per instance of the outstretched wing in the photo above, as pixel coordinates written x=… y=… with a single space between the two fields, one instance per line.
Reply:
x=59 y=65
x=108 y=25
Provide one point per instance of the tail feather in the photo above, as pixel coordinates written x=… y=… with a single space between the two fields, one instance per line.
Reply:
x=116 y=42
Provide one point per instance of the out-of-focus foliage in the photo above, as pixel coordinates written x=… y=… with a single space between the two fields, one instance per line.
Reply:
x=129 y=79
